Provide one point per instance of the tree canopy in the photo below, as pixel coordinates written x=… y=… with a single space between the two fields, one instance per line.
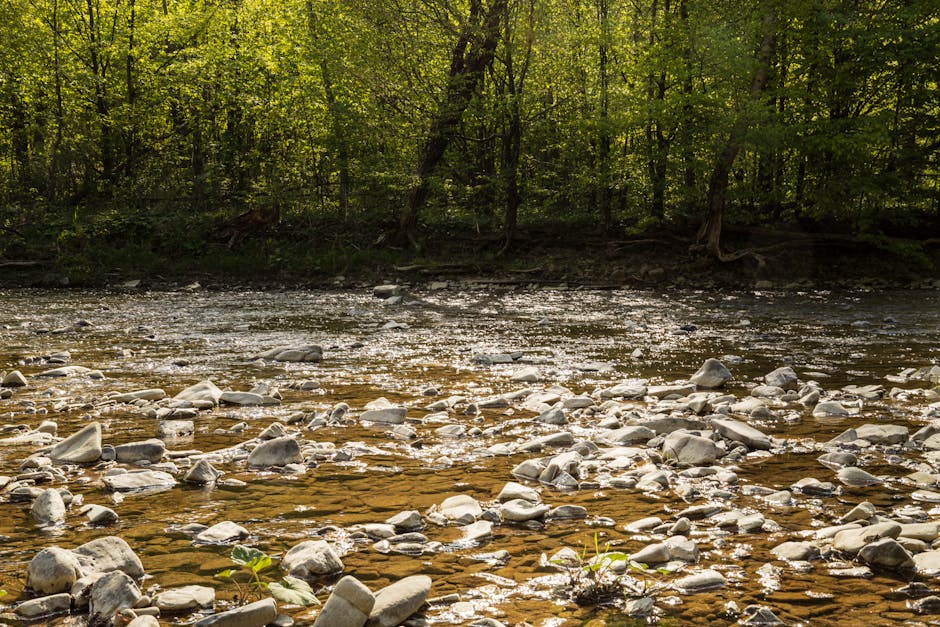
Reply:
x=124 y=117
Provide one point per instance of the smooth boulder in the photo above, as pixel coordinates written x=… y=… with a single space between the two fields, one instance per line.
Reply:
x=276 y=452
x=712 y=374
x=53 y=570
x=255 y=614
x=348 y=606
x=82 y=447
x=311 y=559
x=396 y=602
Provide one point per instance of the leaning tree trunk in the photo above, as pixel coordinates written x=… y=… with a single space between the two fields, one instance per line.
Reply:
x=709 y=234
x=472 y=54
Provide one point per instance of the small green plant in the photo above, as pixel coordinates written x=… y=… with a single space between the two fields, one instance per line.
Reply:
x=253 y=563
x=593 y=579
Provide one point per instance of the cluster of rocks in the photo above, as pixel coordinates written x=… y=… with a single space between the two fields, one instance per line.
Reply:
x=688 y=437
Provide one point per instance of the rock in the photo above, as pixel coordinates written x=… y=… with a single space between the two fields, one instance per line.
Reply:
x=139 y=480
x=830 y=409
x=175 y=429
x=712 y=374
x=740 y=432
x=201 y=392
x=478 y=531
x=246 y=399
x=44 y=606
x=796 y=551
x=149 y=450
x=568 y=512
x=222 y=533
x=387 y=291
x=410 y=520
x=255 y=614
x=552 y=416
x=927 y=564
x=48 y=508
x=626 y=389
x=154 y=394
x=663 y=391
x=519 y=510
x=53 y=570
x=386 y=415
x=681 y=548
x=782 y=378
x=307 y=353
x=276 y=452
x=513 y=490
x=66 y=371
x=202 y=473
x=632 y=434
x=757 y=615
x=862 y=511
x=857 y=478
x=82 y=447
x=348 y=606
x=185 y=598
x=311 y=559
x=837 y=460
x=766 y=391
x=461 y=508
x=886 y=553
x=852 y=541
x=526 y=375
x=14 y=379
x=103 y=555
x=112 y=592
x=882 y=434
x=144 y=621
x=395 y=603
x=700 y=582
x=651 y=554
x=99 y=514
x=688 y=449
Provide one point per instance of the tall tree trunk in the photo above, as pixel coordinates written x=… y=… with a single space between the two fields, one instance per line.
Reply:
x=709 y=234
x=130 y=146
x=52 y=175
x=105 y=139
x=472 y=53
x=603 y=123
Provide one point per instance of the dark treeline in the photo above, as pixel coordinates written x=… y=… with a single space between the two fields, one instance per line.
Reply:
x=181 y=120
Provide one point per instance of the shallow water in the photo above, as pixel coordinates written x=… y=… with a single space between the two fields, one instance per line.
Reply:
x=135 y=338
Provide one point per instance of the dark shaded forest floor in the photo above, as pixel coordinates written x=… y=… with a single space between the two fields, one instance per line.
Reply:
x=544 y=255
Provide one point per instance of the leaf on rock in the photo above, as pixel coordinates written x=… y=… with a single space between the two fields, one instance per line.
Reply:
x=293 y=591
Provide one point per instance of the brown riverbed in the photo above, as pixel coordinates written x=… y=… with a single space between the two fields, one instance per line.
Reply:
x=582 y=340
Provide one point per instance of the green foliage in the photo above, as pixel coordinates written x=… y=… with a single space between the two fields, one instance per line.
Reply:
x=253 y=563
x=136 y=132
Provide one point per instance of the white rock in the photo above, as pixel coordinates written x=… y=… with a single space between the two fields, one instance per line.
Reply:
x=255 y=614
x=114 y=591
x=222 y=533
x=395 y=603
x=82 y=447
x=53 y=570
x=276 y=452
x=185 y=598
x=348 y=606
x=48 y=508
x=311 y=559
x=712 y=374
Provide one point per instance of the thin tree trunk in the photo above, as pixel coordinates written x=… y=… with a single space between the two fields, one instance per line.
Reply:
x=709 y=235
x=52 y=175
x=603 y=127
x=472 y=53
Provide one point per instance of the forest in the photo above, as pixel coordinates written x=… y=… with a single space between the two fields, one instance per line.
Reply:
x=137 y=131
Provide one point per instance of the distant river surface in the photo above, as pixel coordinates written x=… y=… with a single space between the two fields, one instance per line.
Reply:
x=580 y=340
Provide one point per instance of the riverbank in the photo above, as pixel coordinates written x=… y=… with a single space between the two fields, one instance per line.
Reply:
x=764 y=259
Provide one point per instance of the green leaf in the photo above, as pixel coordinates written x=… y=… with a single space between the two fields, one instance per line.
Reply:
x=293 y=591
x=225 y=574
x=246 y=555
x=259 y=563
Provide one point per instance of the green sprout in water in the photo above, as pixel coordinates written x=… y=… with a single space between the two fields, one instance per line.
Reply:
x=253 y=563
